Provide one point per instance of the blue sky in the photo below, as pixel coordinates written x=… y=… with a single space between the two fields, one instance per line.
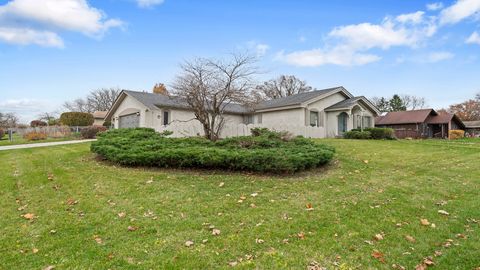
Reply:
x=57 y=50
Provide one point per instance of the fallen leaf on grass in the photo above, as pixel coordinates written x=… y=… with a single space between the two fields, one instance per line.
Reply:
x=221 y=184
x=301 y=235
x=410 y=239
x=71 y=201
x=398 y=267
x=122 y=214
x=378 y=237
x=254 y=194
x=313 y=265
x=50 y=267
x=189 y=243
x=378 y=255
x=132 y=228
x=424 y=222
x=259 y=241
x=365 y=161
x=29 y=216
x=215 y=232
x=35 y=250
x=309 y=207
x=97 y=239
x=443 y=212
x=50 y=176
x=232 y=264
x=461 y=235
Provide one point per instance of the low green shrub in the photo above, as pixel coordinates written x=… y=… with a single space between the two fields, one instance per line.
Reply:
x=370 y=133
x=359 y=135
x=381 y=133
x=265 y=152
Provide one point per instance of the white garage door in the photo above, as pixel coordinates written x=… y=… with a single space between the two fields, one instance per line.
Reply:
x=129 y=121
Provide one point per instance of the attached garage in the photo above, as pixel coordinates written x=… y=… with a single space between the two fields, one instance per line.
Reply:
x=129 y=121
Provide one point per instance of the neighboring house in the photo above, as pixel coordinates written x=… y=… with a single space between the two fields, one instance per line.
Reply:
x=425 y=123
x=318 y=114
x=472 y=128
x=99 y=117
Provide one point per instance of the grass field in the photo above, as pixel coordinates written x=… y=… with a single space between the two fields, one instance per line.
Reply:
x=366 y=211
x=19 y=140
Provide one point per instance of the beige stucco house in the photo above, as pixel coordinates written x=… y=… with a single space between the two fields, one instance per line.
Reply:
x=317 y=114
x=99 y=117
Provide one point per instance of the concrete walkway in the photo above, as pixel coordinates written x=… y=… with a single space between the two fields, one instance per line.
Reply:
x=35 y=145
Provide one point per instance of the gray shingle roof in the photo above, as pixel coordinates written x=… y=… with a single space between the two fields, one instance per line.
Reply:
x=154 y=101
x=295 y=99
x=347 y=103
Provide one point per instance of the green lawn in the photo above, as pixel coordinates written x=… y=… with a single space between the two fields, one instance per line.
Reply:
x=19 y=140
x=373 y=187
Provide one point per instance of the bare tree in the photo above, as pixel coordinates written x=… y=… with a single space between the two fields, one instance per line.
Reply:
x=210 y=85
x=50 y=117
x=381 y=103
x=8 y=120
x=283 y=86
x=413 y=102
x=77 y=105
x=467 y=111
x=98 y=100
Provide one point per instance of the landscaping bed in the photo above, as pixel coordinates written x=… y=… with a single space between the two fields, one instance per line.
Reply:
x=265 y=151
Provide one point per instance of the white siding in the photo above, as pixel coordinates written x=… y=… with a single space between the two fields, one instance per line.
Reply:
x=128 y=106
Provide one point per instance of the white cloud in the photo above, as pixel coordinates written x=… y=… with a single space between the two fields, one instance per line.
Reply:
x=389 y=33
x=459 y=11
x=26 y=109
x=435 y=57
x=149 y=3
x=349 y=45
x=260 y=49
x=413 y=18
x=474 y=38
x=25 y=36
x=37 y=21
x=318 y=57
x=435 y=6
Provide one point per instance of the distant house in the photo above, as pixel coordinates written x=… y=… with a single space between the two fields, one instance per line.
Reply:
x=99 y=118
x=317 y=114
x=425 y=123
x=472 y=128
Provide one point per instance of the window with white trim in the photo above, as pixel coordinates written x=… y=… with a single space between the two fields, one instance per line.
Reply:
x=313 y=119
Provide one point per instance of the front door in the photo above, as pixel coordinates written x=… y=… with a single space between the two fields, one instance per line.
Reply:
x=342 y=123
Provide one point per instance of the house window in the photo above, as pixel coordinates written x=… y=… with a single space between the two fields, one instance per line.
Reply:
x=259 y=118
x=166 y=117
x=367 y=121
x=313 y=119
x=248 y=119
x=358 y=121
